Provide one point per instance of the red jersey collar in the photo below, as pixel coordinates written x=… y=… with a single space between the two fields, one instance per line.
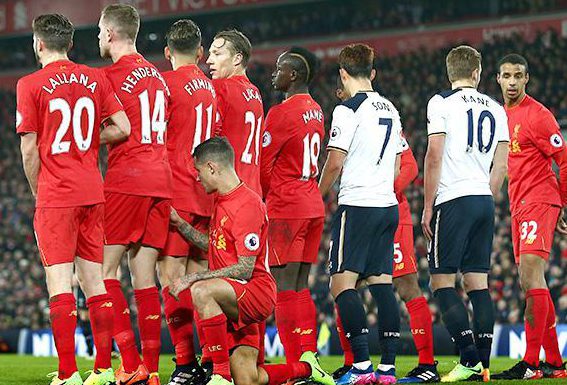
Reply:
x=59 y=63
x=188 y=67
x=297 y=96
x=130 y=57
x=524 y=100
x=232 y=192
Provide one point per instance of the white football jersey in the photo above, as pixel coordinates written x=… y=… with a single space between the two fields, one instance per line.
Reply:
x=473 y=124
x=368 y=129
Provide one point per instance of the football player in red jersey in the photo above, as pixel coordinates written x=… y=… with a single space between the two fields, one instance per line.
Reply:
x=289 y=170
x=137 y=191
x=238 y=292
x=404 y=275
x=192 y=112
x=240 y=111
x=59 y=111
x=537 y=201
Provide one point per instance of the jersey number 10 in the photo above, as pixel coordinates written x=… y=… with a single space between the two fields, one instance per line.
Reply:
x=480 y=129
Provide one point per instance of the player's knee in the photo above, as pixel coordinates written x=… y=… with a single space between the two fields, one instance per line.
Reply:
x=200 y=292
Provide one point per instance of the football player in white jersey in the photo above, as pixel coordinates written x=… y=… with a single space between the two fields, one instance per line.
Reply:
x=364 y=143
x=468 y=133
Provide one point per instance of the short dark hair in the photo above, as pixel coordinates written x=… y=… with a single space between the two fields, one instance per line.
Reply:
x=55 y=30
x=513 y=58
x=184 y=36
x=304 y=62
x=124 y=18
x=239 y=43
x=357 y=60
x=461 y=61
x=217 y=149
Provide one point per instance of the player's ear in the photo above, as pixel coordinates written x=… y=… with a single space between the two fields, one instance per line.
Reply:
x=372 y=74
x=167 y=53
x=527 y=77
x=237 y=59
x=200 y=53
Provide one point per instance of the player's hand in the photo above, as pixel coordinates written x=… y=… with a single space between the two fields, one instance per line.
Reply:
x=561 y=224
x=426 y=223
x=174 y=218
x=181 y=284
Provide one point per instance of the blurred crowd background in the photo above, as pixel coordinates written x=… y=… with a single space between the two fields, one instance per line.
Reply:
x=409 y=80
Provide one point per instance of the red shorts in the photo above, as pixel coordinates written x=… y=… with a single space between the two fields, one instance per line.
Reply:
x=294 y=240
x=132 y=218
x=177 y=246
x=256 y=301
x=63 y=233
x=404 y=257
x=533 y=227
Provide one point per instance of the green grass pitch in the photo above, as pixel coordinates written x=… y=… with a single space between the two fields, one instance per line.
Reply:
x=27 y=370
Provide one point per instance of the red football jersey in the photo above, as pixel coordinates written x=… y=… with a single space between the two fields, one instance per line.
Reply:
x=193 y=110
x=239 y=227
x=408 y=172
x=65 y=103
x=535 y=137
x=241 y=121
x=139 y=166
x=291 y=146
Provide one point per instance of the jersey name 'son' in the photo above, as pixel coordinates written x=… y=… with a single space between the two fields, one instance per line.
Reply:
x=72 y=78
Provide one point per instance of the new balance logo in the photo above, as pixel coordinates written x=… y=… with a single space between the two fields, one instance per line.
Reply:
x=126 y=311
x=106 y=304
x=296 y=331
x=152 y=317
x=215 y=348
x=73 y=313
x=306 y=332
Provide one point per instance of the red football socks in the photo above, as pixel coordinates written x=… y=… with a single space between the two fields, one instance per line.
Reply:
x=149 y=322
x=179 y=317
x=307 y=321
x=216 y=335
x=345 y=343
x=63 y=315
x=205 y=356
x=421 y=329
x=288 y=324
x=101 y=315
x=535 y=321
x=550 y=342
x=279 y=374
x=123 y=334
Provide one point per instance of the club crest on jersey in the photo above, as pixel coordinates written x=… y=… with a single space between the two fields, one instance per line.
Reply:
x=335 y=132
x=252 y=241
x=266 y=139
x=556 y=140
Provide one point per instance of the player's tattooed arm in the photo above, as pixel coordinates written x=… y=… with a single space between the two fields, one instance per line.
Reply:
x=241 y=270
x=199 y=239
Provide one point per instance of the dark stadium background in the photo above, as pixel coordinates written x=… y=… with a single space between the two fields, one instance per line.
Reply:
x=411 y=39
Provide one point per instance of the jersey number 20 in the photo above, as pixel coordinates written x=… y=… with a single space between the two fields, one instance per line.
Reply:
x=83 y=104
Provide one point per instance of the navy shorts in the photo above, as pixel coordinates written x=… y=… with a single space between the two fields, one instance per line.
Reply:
x=362 y=240
x=463 y=229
